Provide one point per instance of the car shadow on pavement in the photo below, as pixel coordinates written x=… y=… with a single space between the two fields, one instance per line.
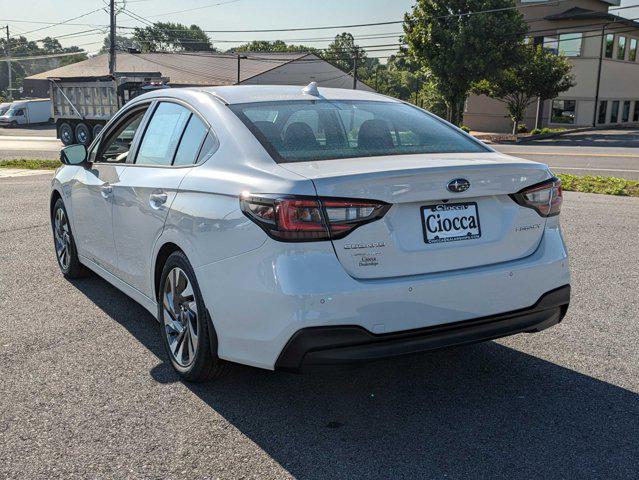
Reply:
x=478 y=411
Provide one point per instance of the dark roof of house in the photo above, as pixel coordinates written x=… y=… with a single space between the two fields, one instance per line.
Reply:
x=578 y=13
x=199 y=68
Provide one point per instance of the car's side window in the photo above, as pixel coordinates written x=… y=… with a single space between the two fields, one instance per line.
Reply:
x=191 y=141
x=117 y=143
x=208 y=147
x=163 y=134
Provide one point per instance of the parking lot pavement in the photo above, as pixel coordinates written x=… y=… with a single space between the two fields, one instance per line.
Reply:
x=87 y=391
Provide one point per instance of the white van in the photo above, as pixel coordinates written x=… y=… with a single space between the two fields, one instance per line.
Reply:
x=4 y=107
x=27 y=112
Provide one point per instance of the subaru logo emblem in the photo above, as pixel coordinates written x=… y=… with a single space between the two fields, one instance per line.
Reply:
x=458 y=185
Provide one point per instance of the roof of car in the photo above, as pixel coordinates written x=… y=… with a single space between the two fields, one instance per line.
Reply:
x=267 y=93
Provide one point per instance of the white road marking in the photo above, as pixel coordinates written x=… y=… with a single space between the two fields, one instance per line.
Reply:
x=572 y=154
x=19 y=172
x=595 y=169
x=28 y=138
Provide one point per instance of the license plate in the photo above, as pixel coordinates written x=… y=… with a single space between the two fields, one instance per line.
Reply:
x=450 y=222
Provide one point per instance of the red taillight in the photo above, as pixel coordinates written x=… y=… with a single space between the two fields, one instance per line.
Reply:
x=545 y=197
x=299 y=219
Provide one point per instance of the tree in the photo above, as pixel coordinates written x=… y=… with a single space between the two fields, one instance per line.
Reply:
x=272 y=46
x=122 y=43
x=174 y=37
x=539 y=73
x=460 y=46
x=21 y=66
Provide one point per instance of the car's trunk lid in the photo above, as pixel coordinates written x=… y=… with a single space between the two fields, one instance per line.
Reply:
x=398 y=244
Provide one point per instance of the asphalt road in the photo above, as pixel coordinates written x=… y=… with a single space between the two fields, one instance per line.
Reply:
x=609 y=153
x=87 y=390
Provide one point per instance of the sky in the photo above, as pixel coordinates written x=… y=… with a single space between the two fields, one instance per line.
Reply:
x=217 y=15
x=231 y=15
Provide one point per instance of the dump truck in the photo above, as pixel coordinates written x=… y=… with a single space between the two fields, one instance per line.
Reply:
x=83 y=105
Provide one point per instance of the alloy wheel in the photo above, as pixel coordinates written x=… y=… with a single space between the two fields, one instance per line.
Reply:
x=62 y=238
x=180 y=317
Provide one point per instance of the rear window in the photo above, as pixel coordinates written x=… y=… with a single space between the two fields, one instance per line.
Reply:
x=309 y=130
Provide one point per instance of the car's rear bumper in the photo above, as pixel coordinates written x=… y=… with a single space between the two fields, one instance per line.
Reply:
x=321 y=346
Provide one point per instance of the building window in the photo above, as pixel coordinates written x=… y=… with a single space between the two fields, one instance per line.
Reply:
x=621 y=48
x=632 y=53
x=610 y=43
x=570 y=44
x=551 y=44
x=635 y=114
x=625 y=113
x=563 y=111
x=603 y=111
x=614 y=115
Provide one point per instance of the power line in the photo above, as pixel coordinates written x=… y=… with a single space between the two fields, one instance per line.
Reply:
x=15 y=58
x=63 y=21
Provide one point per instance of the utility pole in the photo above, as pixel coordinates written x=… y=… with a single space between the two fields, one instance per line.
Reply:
x=239 y=57
x=112 y=65
x=355 y=69
x=8 y=52
x=601 y=52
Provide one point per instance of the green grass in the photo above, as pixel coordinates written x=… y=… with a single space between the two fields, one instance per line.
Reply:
x=30 y=164
x=605 y=185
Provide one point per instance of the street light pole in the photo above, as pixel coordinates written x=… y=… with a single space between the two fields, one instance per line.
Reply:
x=8 y=52
x=112 y=61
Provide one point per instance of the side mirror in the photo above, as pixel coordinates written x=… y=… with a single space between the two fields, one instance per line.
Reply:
x=74 y=155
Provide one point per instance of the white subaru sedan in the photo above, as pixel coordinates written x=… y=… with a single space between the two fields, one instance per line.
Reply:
x=287 y=227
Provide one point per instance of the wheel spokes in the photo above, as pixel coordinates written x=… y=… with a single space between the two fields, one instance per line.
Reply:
x=180 y=317
x=62 y=237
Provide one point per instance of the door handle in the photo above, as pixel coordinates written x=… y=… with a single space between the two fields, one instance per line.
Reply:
x=106 y=190
x=156 y=200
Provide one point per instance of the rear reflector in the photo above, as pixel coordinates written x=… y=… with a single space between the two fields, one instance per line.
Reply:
x=304 y=219
x=545 y=197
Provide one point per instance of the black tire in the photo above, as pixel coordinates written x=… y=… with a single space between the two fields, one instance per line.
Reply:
x=83 y=134
x=51 y=121
x=14 y=124
x=71 y=267
x=97 y=129
x=205 y=364
x=66 y=133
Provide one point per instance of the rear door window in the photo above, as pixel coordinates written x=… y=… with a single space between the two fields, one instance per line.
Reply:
x=163 y=134
x=191 y=142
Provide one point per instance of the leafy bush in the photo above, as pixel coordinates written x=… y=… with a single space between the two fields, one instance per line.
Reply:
x=522 y=128
x=465 y=128
x=546 y=131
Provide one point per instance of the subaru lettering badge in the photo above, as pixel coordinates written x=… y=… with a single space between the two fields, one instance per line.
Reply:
x=458 y=185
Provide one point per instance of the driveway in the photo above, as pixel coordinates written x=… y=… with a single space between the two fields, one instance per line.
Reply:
x=87 y=391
